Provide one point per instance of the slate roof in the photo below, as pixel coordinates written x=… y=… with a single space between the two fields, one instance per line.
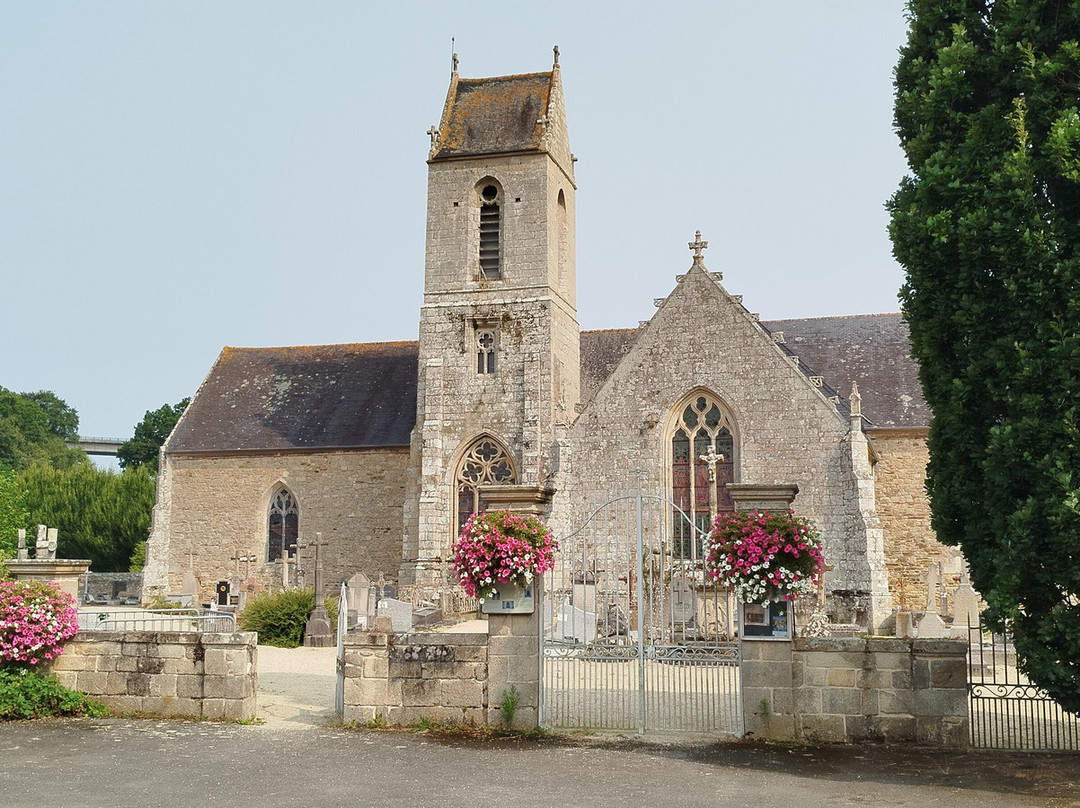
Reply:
x=324 y=396
x=873 y=350
x=364 y=395
x=493 y=115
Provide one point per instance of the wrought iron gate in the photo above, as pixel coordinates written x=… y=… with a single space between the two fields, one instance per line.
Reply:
x=1006 y=710
x=635 y=637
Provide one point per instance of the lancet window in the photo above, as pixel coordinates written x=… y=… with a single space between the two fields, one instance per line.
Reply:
x=702 y=463
x=283 y=526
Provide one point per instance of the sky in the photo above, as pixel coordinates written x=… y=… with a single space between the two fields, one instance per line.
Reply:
x=176 y=177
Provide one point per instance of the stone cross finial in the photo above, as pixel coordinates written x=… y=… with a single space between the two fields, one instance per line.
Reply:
x=856 y=401
x=556 y=49
x=454 y=58
x=433 y=132
x=697 y=245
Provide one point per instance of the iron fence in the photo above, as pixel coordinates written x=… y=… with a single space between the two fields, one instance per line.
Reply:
x=1007 y=710
x=157 y=620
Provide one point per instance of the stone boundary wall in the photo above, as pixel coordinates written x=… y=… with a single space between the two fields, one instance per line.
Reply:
x=164 y=674
x=405 y=677
x=445 y=677
x=854 y=689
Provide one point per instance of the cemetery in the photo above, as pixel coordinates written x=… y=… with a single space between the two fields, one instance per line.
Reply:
x=576 y=650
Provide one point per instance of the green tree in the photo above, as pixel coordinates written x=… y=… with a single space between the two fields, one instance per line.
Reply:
x=62 y=419
x=987 y=227
x=13 y=512
x=150 y=434
x=33 y=428
x=99 y=514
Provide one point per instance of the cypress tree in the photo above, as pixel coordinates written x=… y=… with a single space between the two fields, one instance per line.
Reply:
x=987 y=227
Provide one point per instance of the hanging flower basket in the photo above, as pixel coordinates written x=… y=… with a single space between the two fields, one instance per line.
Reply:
x=36 y=619
x=765 y=556
x=500 y=547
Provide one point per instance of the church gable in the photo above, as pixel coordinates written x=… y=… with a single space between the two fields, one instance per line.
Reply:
x=309 y=397
x=703 y=337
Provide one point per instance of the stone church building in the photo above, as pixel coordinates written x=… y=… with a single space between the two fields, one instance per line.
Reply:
x=384 y=449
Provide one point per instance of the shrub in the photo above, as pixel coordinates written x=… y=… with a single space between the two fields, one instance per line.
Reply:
x=35 y=620
x=280 y=618
x=29 y=694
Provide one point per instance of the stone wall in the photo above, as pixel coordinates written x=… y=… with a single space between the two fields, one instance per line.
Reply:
x=445 y=677
x=851 y=690
x=405 y=677
x=911 y=546
x=218 y=508
x=164 y=673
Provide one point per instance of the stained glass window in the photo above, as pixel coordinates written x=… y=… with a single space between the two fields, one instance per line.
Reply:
x=485 y=463
x=283 y=526
x=702 y=439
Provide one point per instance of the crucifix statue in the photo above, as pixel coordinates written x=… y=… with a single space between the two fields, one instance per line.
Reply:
x=711 y=458
x=317 y=544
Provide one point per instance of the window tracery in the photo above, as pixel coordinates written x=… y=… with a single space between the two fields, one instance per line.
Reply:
x=702 y=463
x=283 y=526
x=485 y=463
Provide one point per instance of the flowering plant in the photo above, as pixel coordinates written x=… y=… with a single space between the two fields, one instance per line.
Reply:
x=35 y=620
x=772 y=555
x=499 y=547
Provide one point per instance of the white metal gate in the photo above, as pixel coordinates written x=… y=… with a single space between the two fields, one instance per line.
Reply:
x=635 y=637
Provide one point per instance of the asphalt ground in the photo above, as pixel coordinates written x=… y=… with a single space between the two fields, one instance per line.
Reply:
x=297 y=755
x=113 y=762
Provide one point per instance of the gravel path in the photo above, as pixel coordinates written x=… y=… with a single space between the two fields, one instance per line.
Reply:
x=296 y=687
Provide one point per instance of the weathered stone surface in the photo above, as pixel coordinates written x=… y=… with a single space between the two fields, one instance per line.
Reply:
x=159 y=673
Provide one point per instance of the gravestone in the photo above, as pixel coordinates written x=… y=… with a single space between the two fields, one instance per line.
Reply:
x=574 y=625
x=400 y=614
x=683 y=602
x=427 y=616
x=584 y=597
x=965 y=605
x=358 y=586
x=931 y=627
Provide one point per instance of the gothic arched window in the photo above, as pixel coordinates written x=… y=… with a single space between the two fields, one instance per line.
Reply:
x=485 y=463
x=702 y=463
x=283 y=526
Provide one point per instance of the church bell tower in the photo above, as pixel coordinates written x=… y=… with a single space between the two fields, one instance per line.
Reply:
x=499 y=338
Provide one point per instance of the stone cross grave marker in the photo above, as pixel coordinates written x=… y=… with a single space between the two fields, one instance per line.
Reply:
x=683 y=601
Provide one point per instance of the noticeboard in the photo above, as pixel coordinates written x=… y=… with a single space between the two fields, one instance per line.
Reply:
x=774 y=620
x=511 y=599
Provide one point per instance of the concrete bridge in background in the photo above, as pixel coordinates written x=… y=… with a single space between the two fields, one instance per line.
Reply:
x=102 y=447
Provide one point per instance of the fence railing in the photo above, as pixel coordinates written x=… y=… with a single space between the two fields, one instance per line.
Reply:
x=157 y=620
x=1007 y=710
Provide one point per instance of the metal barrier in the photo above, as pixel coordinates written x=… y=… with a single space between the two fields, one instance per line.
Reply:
x=1007 y=711
x=179 y=620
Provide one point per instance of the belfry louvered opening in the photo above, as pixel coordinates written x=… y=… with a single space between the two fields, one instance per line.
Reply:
x=490 y=258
